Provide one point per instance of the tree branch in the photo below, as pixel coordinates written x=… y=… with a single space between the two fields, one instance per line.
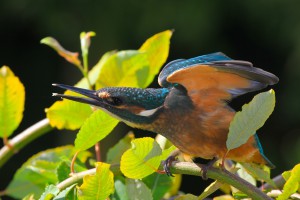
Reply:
x=22 y=139
x=189 y=169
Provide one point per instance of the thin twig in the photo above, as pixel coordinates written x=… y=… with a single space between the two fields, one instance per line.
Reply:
x=189 y=169
x=22 y=139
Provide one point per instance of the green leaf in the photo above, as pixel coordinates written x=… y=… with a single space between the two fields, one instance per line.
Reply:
x=142 y=159
x=159 y=184
x=292 y=184
x=214 y=186
x=259 y=173
x=137 y=190
x=120 y=189
x=157 y=50
x=125 y=68
x=251 y=118
x=94 y=129
x=98 y=186
x=39 y=171
x=187 y=197
x=50 y=192
x=64 y=194
x=12 y=99
x=71 y=57
x=115 y=153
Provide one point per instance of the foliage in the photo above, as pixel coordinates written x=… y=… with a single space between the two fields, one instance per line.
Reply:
x=132 y=169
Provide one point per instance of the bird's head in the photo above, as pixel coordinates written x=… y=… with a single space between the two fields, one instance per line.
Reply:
x=131 y=105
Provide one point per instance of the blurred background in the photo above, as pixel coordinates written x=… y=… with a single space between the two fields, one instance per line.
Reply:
x=266 y=33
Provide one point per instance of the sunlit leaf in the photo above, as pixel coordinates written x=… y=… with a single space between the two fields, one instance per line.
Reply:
x=292 y=184
x=115 y=153
x=125 y=68
x=94 y=129
x=187 y=197
x=157 y=50
x=68 y=114
x=12 y=99
x=159 y=184
x=98 y=186
x=259 y=173
x=39 y=171
x=50 y=192
x=71 y=57
x=251 y=118
x=214 y=186
x=142 y=159
x=136 y=190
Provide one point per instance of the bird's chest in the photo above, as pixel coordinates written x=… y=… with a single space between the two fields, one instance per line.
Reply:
x=194 y=133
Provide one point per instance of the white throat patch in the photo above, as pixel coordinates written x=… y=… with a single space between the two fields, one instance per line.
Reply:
x=147 y=113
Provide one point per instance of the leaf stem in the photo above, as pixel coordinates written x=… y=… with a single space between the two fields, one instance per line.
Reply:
x=22 y=139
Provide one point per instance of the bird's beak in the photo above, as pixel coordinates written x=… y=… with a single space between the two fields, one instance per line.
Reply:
x=92 y=99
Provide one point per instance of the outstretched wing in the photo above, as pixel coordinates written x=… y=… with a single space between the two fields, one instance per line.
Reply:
x=215 y=77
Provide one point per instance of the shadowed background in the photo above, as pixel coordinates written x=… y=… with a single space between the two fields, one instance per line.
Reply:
x=267 y=33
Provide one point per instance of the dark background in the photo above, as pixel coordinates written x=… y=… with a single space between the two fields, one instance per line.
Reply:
x=266 y=33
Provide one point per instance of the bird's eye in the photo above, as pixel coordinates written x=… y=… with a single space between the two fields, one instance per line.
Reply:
x=115 y=101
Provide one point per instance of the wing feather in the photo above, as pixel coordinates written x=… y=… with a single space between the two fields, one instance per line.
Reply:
x=211 y=79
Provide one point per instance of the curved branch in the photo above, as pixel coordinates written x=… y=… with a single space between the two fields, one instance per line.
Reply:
x=189 y=169
x=22 y=139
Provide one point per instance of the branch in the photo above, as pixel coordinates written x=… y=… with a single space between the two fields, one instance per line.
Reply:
x=189 y=169
x=22 y=139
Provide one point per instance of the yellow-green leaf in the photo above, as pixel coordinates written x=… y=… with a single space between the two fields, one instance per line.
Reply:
x=157 y=50
x=98 y=186
x=125 y=68
x=12 y=99
x=71 y=57
x=187 y=197
x=251 y=118
x=214 y=186
x=142 y=159
x=94 y=129
x=292 y=184
x=68 y=114
x=224 y=197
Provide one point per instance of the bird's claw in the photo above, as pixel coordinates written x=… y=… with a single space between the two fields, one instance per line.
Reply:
x=206 y=167
x=167 y=164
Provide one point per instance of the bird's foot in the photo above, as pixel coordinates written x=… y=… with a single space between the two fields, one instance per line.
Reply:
x=169 y=160
x=167 y=164
x=206 y=167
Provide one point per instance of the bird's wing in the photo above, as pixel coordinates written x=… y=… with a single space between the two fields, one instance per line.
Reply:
x=215 y=77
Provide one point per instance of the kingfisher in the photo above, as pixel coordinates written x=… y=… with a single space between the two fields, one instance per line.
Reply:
x=191 y=107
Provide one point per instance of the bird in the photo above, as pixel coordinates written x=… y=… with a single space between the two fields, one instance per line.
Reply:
x=191 y=108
